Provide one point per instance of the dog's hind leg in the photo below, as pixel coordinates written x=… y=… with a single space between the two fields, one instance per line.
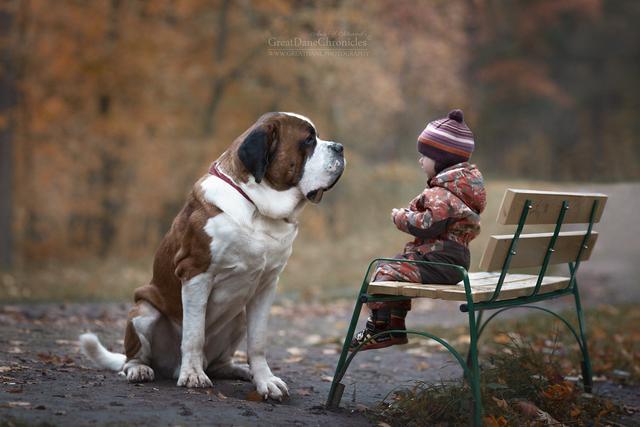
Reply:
x=221 y=348
x=137 y=342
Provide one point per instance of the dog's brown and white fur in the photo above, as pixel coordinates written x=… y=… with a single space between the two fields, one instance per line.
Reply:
x=216 y=270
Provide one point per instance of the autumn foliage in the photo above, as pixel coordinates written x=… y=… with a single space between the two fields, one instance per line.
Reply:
x=120 y=105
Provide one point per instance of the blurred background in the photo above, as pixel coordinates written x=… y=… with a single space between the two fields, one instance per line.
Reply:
x=110 y=110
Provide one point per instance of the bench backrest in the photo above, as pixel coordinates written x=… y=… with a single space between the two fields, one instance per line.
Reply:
x=546 y=206
x=542 y=249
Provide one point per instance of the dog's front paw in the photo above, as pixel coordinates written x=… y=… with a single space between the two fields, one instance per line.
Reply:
x=271 y=387
x=139 y=374
x=194 y=378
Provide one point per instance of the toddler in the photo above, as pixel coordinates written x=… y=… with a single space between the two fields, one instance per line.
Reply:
x=444 y=218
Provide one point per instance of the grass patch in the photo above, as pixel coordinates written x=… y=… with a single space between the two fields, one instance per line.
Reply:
x=519 y=387
x=612 y=334
x=530 y=366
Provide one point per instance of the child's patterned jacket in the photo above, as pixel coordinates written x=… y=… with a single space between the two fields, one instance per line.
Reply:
x=447 y=210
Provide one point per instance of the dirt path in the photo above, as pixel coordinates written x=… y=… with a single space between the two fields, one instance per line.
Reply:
x=45 y=379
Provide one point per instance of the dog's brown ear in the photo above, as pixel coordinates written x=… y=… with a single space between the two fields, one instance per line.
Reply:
x=255 y=151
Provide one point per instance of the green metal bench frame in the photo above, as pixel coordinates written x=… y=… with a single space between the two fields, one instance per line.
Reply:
x=470 y=367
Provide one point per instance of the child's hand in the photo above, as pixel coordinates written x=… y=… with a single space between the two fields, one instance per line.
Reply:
x=399 y=218
x=395 y=213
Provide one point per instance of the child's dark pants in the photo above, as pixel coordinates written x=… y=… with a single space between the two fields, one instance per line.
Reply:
x=390 y=315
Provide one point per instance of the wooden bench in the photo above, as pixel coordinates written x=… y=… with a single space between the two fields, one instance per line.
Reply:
x=495 y=288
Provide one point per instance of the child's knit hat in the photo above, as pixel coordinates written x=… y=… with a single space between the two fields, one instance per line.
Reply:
x=447 y=141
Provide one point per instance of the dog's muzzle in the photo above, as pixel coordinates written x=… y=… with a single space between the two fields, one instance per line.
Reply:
x=332 y=169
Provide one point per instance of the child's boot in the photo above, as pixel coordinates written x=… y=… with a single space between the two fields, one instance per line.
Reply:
x=399 y=311
x=385 y=316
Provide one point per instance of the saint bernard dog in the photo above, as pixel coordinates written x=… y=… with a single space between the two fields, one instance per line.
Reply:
x=216 y=270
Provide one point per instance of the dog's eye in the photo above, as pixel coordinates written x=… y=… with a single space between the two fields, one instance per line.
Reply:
x=309 y=142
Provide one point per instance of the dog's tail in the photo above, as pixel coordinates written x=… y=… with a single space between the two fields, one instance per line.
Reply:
x=91 y=347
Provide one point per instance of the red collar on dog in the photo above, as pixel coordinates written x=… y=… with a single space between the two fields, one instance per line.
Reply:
x=213 y=170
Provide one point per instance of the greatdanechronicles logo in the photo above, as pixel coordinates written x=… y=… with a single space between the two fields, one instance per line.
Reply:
x=338 y=43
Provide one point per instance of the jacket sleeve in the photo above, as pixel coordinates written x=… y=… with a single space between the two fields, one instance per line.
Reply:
x=430 y=222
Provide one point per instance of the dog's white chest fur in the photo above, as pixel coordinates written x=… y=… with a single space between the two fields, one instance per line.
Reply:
x=243 y=253
x=248 y=250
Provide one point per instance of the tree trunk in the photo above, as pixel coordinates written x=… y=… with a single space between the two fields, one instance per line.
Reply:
x=7 y=104
x=218 y=84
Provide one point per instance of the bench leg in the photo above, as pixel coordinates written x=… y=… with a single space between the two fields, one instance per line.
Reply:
x=587 y=374
x=472 y=362
x=335 y=392
x=478 y=325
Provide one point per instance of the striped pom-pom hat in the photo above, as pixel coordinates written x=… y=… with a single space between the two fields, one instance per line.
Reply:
x=447 y=141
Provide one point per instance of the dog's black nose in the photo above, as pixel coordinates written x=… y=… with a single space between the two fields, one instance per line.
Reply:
x=338 y=148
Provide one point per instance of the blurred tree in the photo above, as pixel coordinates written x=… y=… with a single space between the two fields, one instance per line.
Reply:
x=560 y=73
x=7 y=106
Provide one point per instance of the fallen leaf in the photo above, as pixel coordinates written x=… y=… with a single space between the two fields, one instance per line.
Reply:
x=312 y=339
x=530 y=410
x=305 y=391
x=422 y=366
x=558 y=391
x=383 y=424
x=527 y=409
x=54 y=359
x=420 y=352
x=462 y=339
x=295 y=351
x=492 y=421
x=221 y=396
x=321 y=366
x=18 y=404
x=500 y=402
x=293 y=359
x=329 y=351
x=5 y=368
x=326 y=378
x=366 y=365
x=501 y=339
x=253 y=396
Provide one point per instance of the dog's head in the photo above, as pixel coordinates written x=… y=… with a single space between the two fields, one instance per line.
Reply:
x=285 y=150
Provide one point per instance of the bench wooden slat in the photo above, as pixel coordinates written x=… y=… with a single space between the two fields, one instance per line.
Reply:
x=482 y=274
x=509 y=290
x=546 y=206
x=515 y=285
x=531 y=249
x=432 y=290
